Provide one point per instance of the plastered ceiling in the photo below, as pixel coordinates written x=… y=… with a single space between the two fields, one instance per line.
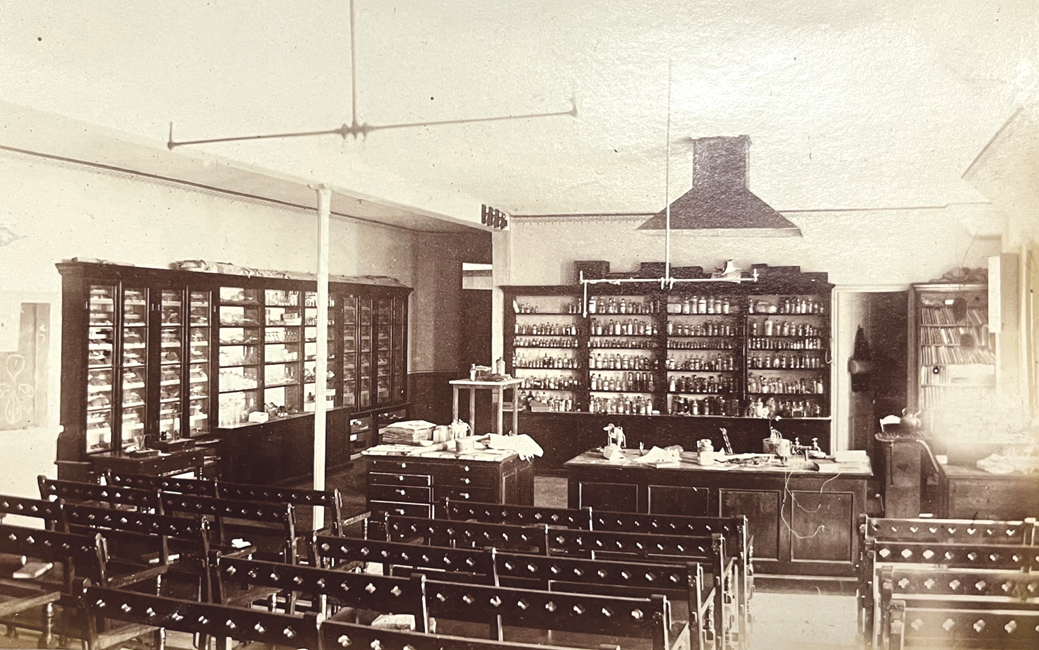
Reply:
x=854 y=104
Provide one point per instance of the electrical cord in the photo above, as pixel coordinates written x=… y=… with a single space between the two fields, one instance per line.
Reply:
x=782 y=506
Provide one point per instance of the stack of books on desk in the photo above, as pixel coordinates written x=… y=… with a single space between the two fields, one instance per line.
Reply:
x=410 y=432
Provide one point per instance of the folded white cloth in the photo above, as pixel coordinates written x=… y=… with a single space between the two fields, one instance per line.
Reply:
x=522 y=444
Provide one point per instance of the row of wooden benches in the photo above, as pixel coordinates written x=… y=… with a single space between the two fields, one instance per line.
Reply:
x=115 y=494
x=949 y=583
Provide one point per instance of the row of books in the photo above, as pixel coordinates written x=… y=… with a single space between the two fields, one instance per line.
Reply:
x=942 y=356
x=946 y=316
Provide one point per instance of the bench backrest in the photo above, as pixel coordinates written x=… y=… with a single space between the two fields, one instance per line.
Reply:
x=348 y=635
x=223 y=510
x=336 y=551
x=955 y=556
x=203 y=618
x=49 y=511
x=331 y=499
x=951 y=531
x=82 y=555
x=384 y=594
x=942 y=582
x=437 y=532
x=493 y=513
x=75 y=492
x=917 y=623
x=608 y=615
x=200 y=487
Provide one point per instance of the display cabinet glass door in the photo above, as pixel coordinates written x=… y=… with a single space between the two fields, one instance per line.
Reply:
x=383 y=318
x=364 y=335
x=171 y=363
x=199 y=358
x=101 y=377
x=310 y=354
x=283 y=342
x=400 y=324
x=349 y=350
x=239 y=354
x=135 y=357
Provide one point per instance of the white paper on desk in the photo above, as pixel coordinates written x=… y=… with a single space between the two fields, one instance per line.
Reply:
x=829 y=467
x=655 y=456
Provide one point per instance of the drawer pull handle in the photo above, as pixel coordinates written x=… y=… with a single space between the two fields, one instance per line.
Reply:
x=464 y=495
x=403 y=465
x=399 y=511
x=466 y=468
x=401 y=492
x=467 y=480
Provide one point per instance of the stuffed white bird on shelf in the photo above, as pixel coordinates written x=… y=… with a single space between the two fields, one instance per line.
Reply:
x=729 y=270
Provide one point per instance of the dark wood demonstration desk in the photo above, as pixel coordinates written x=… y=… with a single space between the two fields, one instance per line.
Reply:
x=970 y=493
x=163 y=464
x=409 y=484
x=803 y=522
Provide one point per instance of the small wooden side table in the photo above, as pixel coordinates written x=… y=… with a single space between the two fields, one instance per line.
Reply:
x=497 y=389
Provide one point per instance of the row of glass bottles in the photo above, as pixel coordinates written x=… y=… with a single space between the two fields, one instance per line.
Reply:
x=639 y=382
x=704 y=385
x=710 y=328
x=711 y=344
x=770 y=327
x=771 y=408
x=698 y=363
x=784 y=361
x=604 y=305
x=714 y=405
x=804 y=385
x=550 y=382
x=630 y=327
x=522 y=360
x=621 y=405
x=785 y=344
x=787 y=305
x=545 y=329
x=556 y=403
x=621 y=362
x=631 y=344
x=700 y=305
x=545 y=343
x=531 y=308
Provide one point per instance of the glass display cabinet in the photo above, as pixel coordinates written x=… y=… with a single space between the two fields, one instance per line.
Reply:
x=162 y=354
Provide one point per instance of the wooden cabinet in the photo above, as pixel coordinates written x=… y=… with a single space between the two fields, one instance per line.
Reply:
x=410 y=486
x=702 y=349
x=160 y=354
x=971 y=493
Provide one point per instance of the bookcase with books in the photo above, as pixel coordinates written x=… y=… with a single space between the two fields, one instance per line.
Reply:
x=952 y=358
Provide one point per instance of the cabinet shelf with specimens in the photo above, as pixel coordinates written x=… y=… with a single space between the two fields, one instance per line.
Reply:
x=161 y=354
x=752 y=349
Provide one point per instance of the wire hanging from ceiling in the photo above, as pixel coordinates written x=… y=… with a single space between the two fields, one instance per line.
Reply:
x=358 y=129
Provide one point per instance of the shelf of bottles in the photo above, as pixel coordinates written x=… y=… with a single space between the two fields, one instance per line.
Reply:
x=100 y=369
x=310 y=354
x=364 y=353
x=134 y=356
x=383 y=319
x=400 y=324
x=623 y=353
x=956 y=362
x=546 y=351
x=348 y=367
x=199 y=359
x=703 y=360
x=283 y=347
x=787 y=348
x=239 y=360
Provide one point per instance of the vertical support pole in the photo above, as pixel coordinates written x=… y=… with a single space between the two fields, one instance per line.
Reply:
x=324 y=207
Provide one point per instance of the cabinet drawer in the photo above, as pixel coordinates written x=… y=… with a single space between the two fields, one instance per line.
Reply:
x=401 y=466
x=402 y=509
x=488 y=481
x=481 y=495
x=378 y=478
x=408 y=493
x=485 y=473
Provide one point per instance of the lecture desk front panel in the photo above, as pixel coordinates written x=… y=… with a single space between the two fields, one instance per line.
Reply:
x=803 y=522
x=402 y=481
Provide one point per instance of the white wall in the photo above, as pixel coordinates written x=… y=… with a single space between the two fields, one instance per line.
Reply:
x=61 y=210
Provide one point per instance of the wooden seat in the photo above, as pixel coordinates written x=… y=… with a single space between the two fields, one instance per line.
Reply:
x=76 y=556
x=246 y=516
x=205 y=619
x=939 y=607
x=93 y=493
x=962 y=546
